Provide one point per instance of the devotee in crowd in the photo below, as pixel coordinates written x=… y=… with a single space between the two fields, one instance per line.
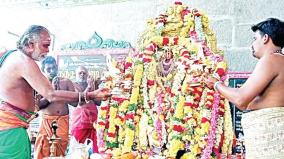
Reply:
x=85 y=114
x=262 y=94
x=20 y=77
x=55 y=111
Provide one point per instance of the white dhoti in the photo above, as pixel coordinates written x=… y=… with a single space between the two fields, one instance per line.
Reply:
x=264 y=133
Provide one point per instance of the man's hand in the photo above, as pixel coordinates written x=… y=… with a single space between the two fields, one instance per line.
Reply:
x=55 y=83
x=101 y=94
x=210 y=82
x=91 y=83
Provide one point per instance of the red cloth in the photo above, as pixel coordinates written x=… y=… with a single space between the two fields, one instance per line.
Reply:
x=82 y=119
x=82 y=134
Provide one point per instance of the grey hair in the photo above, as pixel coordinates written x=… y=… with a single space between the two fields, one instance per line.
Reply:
x=30 y=35
x=82 y=67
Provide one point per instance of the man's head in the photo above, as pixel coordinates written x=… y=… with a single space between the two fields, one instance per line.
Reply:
x=49 y=67
x=35 y=42
x=81 y=74
x=272 y=30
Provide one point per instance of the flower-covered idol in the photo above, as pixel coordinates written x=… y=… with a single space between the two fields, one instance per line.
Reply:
x=160 y=104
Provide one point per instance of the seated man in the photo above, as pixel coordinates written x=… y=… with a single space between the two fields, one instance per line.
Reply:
x=85 y=114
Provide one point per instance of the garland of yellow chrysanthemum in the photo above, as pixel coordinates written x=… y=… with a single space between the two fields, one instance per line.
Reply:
x=175 y=137
x=186 y=105
x=111 y=139
x=228 y=130
x=124 y=100
x=132 y=107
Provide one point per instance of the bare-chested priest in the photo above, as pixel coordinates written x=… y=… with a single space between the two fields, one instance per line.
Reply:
x=20 y=76
x=262 y=93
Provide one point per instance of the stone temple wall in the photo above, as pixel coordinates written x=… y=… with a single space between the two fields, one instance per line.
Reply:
x=126 y=19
